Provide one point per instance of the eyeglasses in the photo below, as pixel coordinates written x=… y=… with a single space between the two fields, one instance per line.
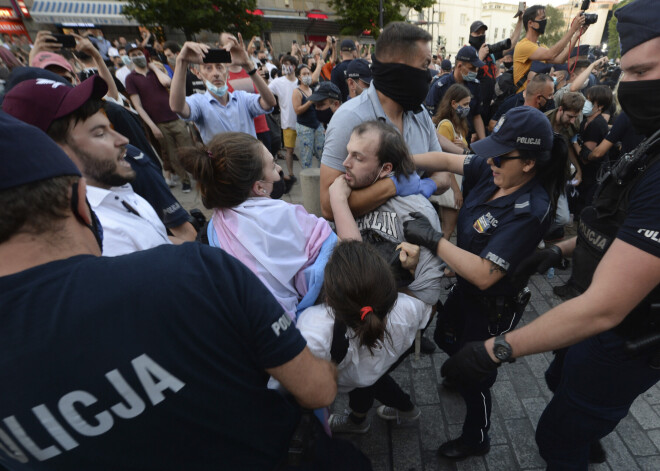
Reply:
x=497 y=161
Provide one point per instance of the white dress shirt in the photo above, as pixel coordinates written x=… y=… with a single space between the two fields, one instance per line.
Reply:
x=129 y=222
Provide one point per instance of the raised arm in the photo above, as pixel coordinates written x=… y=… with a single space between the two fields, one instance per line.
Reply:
x=240 y=56
x=86 y=46
x=345 y=223
x=550 y=54
x=191 y=53
x=440 y=162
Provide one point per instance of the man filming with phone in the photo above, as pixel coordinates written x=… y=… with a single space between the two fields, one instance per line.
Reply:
x=219 y=110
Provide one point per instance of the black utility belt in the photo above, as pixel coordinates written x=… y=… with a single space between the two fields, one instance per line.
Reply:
x=498 y=303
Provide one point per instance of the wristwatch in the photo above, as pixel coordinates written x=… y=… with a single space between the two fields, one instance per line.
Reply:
x=252 y=72
x=502 y=350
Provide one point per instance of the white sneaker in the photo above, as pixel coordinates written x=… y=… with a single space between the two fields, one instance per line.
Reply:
x=390 y=413
x=341 y=423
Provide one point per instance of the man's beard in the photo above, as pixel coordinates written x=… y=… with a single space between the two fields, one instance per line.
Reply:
x=103 y=171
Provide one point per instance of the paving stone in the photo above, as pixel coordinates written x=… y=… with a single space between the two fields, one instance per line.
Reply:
x=425 y=361
x=649 y=463
x=645 y=414
x=523 y=443
x=534 y=407
x=523 y=380
x=652 y=396
x=654 y=436
x=497 y=432
x=633 y=435
x=500 y=458
x=509 y=405
x=380 y=462
x=452 y=405
x=433 y=463
x=618 y=456
x=406 y=452
x=432 y=427
x=426 y=390
x=474 y=463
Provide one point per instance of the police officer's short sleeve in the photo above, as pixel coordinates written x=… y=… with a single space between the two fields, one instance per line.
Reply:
x=641 y=228
x=474 y=167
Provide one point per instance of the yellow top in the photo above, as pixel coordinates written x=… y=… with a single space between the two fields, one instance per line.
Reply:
x=521 y=61
x=446 y=129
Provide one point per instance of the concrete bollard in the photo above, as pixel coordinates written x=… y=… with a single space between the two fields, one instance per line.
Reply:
x=310 y=183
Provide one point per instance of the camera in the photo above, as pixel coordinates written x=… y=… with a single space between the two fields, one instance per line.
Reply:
x=499 y=46
x=589 y=18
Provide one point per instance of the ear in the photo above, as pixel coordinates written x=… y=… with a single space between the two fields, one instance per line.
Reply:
x=83 y=209
x=387 y=169
x=529 y=165
x=258 y=189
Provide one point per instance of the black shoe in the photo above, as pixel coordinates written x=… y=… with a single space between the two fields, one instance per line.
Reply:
x=566 y=291
x=457 y=449
x=185 y=188
x=597 y=453
x=288 y=183
x=427 y=346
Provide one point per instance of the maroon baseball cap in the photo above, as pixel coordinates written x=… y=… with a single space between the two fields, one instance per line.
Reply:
x=41 y=101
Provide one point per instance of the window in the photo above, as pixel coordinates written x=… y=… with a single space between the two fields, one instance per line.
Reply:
x=461 y=42
x=463 y=18
x=496 y=31
x=441 y=17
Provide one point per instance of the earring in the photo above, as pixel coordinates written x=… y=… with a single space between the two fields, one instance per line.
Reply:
x=263 y=191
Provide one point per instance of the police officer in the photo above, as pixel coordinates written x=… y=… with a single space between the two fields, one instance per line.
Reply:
x=617 y=357
x=465 y=72
x=510 y=190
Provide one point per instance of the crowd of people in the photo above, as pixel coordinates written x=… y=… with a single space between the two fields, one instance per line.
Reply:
x=138 y=335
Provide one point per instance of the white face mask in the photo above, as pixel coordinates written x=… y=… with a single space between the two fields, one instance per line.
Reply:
x=306 y=80
x=287 y=69
x=588 y=108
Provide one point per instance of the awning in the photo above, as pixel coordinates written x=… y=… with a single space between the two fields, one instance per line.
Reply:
x=73 y=11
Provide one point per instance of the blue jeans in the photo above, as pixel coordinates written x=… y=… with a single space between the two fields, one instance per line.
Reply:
x=599 y=382
x=311 y=142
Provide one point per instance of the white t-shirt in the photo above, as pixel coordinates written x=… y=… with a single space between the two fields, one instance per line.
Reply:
x=283 y=88
x=360 y=368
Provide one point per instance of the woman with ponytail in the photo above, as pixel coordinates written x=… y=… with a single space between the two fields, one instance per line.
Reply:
x=280 y=242
x=510 y=189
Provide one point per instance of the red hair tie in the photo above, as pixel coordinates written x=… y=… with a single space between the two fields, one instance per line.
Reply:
x=364 y=311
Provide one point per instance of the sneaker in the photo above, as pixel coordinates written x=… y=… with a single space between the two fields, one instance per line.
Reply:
x=391 y=413
x=341 y=423
x=186 y=188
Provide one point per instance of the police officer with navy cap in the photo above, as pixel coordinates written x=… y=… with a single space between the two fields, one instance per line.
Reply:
x=614 y=326
x=510 y=188
x=465 y=72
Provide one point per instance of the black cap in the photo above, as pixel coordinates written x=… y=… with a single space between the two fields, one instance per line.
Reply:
x=325 y=90
x=581 y=51
x=638 y=22
x=469 y=54
x=29 y=155
x=359 y=69
x=445 y=65
x=347 y=45
x=477 y=25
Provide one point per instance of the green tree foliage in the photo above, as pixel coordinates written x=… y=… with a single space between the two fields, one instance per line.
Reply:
x=194 y=16
x=357 y=16
x=613 y=49
x=556 y=26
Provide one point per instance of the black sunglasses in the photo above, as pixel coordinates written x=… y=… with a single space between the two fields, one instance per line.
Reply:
x=498 y=160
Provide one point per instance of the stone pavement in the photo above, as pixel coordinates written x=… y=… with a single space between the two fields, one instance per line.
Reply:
x=519 y=397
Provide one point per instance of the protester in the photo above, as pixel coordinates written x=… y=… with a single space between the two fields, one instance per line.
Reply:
x=358 y=77
x=599 y=369
x=539 y=95
x=348 y=53
x=218 y=110
x=511 y=187
x=194 y=84
x=309 y=130
x=147 y=86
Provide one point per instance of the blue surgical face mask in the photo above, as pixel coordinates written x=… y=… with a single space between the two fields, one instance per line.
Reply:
x=126 y=60
x=554 y=80
x=588 y=108
x=462 y=111
x=470 y=77
x=217 y=91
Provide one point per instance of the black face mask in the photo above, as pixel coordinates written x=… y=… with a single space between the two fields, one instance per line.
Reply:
x=541 y=28
x=641 y=102
x=278 y=188
x=406 y=85
x=549 y=105
x=477 y=41
x=95 y=226
x=324 y=115
x=508 y=65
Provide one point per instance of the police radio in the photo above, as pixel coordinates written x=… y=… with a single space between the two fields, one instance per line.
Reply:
x=633 y=161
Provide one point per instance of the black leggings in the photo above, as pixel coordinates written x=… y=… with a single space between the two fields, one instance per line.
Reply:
x=386 y=390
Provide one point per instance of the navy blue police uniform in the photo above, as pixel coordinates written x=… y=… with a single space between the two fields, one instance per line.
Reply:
x=602 y=376
x=503 y=231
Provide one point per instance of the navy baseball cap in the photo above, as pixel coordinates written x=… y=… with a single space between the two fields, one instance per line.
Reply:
x=580 y=51
x=638 y=22
x=40 y=102
x=359 y=69
x=477 y=25
x=469 y=54
x=445 y=65
x=29 y=155
x=347 y=45
x=325 y=90
x=521 y=128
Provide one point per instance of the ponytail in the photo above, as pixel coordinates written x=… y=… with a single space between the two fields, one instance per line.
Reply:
x=225 y=170
x=553 y=173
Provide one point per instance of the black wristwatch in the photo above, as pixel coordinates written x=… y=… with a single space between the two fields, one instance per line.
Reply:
x=253 y=71
x=502 y=350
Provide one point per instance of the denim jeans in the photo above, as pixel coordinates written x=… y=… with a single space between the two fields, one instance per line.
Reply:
x=310 y=142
